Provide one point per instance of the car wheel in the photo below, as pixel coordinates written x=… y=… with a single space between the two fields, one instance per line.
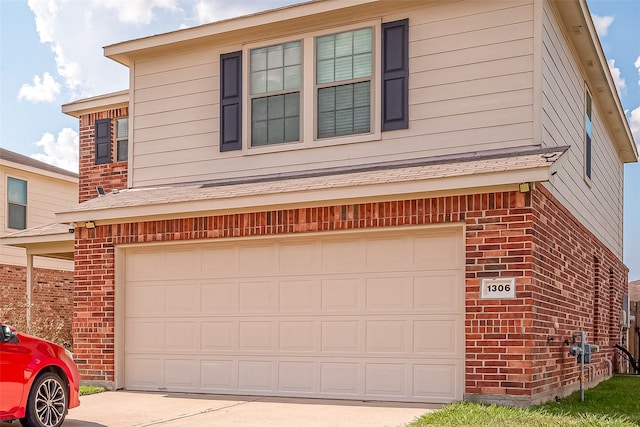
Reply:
x=47 y=405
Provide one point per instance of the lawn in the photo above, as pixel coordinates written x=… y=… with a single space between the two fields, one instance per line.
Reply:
x=613 y=403
x=86 y=390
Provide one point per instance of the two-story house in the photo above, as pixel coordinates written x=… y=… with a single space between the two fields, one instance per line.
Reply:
x=411 y=201
x=36 y=255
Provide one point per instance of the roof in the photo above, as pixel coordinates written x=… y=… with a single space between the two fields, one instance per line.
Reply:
x=50 y=240
x=12 y=157
x=96 y=103
x=381 y=180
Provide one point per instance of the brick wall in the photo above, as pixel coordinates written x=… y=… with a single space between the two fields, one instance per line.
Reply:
x=109 y=176
x=51 y=297
x=508 y=234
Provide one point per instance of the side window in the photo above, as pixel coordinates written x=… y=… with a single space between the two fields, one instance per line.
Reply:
x=276 y=76
x=588 y=135
x=122 y=139
x=344 y=65
x=103 y=141
x=17 y=203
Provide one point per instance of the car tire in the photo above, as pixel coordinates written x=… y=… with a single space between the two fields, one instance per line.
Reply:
x=48 y=402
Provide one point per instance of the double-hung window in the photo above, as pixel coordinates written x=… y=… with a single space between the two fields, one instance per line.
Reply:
x=276 y=78
x=327 y=87
x=17 y=203
x=344 y=68
x=122 y=139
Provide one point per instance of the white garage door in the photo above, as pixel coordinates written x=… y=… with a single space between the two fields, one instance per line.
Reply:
x=376 y=315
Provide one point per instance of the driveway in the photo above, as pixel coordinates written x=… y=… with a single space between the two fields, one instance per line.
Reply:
x=124 y=408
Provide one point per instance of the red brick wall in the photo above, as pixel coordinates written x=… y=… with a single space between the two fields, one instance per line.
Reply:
x=109 y=176
x=51 y=296
x=507 y=235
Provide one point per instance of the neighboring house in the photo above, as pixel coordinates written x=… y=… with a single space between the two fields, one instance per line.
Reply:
x=634 y=290
x=410 y=201
x=31 y=193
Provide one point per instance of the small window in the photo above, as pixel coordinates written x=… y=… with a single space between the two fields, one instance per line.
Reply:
x=122 y=139
x=588 y=137
x=344 y=67
x=276 y=78
x=17 y=206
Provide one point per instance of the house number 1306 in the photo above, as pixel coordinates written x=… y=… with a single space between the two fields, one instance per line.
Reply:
x=500 y=288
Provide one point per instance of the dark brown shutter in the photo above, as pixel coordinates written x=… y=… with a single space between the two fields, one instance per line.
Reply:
x=231 y=101
x=395 y=75
x=103 y=141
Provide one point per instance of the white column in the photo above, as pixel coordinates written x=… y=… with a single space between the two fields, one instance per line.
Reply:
x=29 y=288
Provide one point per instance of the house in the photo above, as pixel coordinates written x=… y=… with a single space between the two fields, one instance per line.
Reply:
x=372 y=200
x=35 y=283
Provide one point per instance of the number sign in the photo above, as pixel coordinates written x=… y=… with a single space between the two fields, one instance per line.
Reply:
x=501 y=288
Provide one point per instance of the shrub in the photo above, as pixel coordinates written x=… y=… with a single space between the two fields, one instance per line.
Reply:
x=43 y=325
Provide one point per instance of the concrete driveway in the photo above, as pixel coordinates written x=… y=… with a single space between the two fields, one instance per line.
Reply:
x=124 y=408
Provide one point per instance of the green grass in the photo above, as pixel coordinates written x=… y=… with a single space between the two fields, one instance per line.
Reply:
x=86 y=390
x=613 y=403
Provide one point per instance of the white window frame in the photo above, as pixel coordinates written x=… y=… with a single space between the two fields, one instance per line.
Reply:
x=309 y=121
x=26 y=205
x=118 y=139
x=587 y=178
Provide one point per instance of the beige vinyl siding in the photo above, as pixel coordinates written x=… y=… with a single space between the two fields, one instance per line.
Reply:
x=45 y=196
x=471 y=89
x=598 y=204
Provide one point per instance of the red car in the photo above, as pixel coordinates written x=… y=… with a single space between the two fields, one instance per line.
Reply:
x=39 y=380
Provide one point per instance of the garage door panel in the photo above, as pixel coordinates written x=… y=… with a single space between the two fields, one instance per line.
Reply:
x=256 y=336
x=386 y=336
x=219 y=298
x=438 y=292
x=341 y=336
x=298 y=377
x=258 y=297
x=340 y=379
x=442 y=250
x=385 y=379
x=339 y=295
x=437 y=337
x=352 y=315
x=218 y=375
x=298 y=336
x=219 y=261
x=299 y=296
x=182 y=374
x=181 y=298
x=256 y=376
x=219 y=336
x=387 y=294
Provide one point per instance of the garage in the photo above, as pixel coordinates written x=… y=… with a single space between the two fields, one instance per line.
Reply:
x=375 y=315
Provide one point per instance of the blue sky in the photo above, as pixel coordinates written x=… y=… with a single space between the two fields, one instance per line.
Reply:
x=51 y=54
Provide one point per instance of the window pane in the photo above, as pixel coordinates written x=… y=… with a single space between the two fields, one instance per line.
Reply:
x=344 y=110
x=362 y=65
x=258 y=59
x=292 y=104
x=259 y=109
x=325 y=71
x=292 y=54
x=276 y=107
x=292 y=77
x=344 y=68
x=17 y=217
x=17 y=190
x=344 y=44
x=275 y=79
x=259 y=82
x=122 y=128
x=325 y=47
x=292 y=129
x=275 y=57
x=123 y=153
x=275 y=131
x=362 y=41
x=259 y=133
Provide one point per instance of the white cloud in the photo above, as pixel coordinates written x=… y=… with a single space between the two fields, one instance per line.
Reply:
x=43 y=89
x=208 y=11
x=602 y=24
x=637 y=65
x=615 y=73
x=634 y=124
x=61 y=151
x=140 y=12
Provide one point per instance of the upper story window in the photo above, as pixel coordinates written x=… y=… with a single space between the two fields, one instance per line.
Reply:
x=122 y=139
x=17 y=203
x=341 y=86
x=276 y=76
x=588 y=135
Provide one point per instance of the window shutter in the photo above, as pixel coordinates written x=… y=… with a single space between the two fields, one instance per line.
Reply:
x=231 y=101
x=395 y=75
x=103 y=141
